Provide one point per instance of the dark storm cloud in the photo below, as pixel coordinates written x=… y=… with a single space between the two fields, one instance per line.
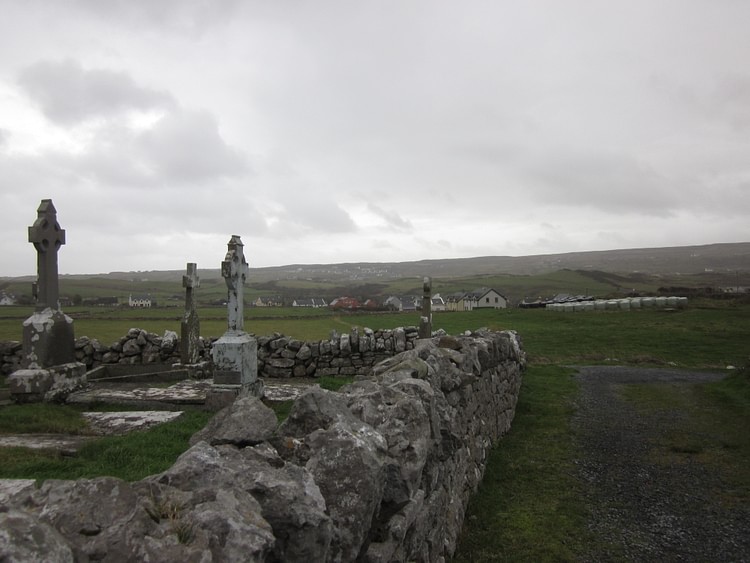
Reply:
x=67 y=93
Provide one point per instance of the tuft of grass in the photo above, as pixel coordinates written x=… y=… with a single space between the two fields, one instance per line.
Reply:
x=41 y=418
x=281 y=408
x=333 y=383
x=529 y=506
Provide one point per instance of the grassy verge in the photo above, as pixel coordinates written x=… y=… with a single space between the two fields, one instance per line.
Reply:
x=712 y=428
x=129 y=457
x=528 y=507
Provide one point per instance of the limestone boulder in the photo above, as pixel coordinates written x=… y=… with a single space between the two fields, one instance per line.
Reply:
x=286 y=497
x=315 y=409
x=246 y=422
x=347 y=462
x=24 y=538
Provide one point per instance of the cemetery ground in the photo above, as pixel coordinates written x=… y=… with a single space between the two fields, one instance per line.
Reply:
x=532 y=504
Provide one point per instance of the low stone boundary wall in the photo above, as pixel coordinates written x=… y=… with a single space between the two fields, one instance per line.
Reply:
x=342 y=354
x=347 y=354
x=381 y=471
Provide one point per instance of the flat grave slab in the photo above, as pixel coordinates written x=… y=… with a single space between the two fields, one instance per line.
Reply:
x=117 y=423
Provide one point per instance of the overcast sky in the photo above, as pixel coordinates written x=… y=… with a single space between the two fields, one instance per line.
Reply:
x=370 y=131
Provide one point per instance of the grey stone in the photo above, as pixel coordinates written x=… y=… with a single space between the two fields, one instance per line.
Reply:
x=347 y=463
x=314 y=409
x=24 y=538
x=131 y=347
x=245 y=422
x=304 y=353
x=48 y=339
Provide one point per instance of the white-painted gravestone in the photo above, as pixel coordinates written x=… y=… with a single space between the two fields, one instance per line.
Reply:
x=235 y=354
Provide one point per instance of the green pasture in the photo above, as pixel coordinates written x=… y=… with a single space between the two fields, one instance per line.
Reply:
x=708 y=334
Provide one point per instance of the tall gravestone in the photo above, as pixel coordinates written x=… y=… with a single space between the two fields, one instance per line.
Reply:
x=190 y=326
x=235 y=354
x=49 y=370
x=425 y=321
x=48 y=338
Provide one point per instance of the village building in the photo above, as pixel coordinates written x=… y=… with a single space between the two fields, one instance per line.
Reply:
x=7 y=299
x=274 y=301
x=438 y=303
x=482 y=298
x=143 y=301
x=344 y=303
x=312 y=302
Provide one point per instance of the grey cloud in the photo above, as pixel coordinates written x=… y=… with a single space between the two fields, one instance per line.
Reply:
x=186 y=146
x=182 y=148
x=190 y=17
x=612 y=183
x=391 y=218
x=4 y=135
x=67 y=93
x=317 y=212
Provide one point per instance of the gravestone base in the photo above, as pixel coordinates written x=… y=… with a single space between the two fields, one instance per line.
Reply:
x=52 y=384
x=235 y=369
x=197 y=370
x=190 y=338
x=48 y=339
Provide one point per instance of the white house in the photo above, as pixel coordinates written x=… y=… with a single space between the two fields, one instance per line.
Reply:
x=438 y=304
x=482 y=298
x=485 y=298
x=139 y=301
x=314 y=302
x=7 y=299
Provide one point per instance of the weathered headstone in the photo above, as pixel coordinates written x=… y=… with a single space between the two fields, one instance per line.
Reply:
x=190 y=326
x=425 y=321
x=235 y=354
x=49 y=371
x=48 y=337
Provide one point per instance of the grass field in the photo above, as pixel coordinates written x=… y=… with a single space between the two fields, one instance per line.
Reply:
x=708 y=334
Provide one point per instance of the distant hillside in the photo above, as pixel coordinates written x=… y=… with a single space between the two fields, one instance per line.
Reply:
x=681 y=260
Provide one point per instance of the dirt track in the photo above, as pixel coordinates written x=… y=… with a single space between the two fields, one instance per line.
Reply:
x=646 y=507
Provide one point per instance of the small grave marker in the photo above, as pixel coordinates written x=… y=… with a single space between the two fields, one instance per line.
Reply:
x=425 y=321
x=190 y=326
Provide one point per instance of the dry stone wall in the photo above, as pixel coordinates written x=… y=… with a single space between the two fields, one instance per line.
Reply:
x=381 y=471
x=279 y=356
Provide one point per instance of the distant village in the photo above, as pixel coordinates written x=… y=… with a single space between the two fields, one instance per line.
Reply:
x=481 y=298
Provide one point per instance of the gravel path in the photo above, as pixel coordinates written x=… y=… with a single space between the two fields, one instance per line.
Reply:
x=649 y=510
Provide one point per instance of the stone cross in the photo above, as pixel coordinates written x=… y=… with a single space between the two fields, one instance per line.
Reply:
x=425 y=322
x=47 y=237
x=190 y=281
x=190 y=323
x=234 y=270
